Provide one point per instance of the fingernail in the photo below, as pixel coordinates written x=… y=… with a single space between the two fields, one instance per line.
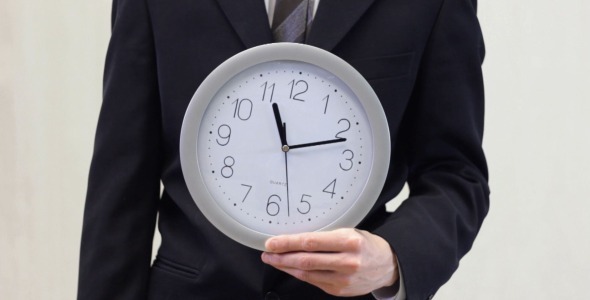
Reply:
x=270 y=245
x=267 y=258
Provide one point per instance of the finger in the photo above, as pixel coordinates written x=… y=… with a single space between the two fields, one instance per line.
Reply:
x=314 y=261
x=328 y=241
x=326 y=280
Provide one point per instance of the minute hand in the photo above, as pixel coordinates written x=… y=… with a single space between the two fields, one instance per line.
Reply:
x=339 y=140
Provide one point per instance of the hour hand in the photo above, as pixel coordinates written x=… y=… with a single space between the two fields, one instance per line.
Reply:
x=280 y=125
x=338 y=140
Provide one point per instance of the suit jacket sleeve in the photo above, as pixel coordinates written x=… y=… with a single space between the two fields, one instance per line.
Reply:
x=123 y=187
x=441 y=140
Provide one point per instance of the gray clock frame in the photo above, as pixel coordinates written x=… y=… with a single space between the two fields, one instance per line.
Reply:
x=281 y=52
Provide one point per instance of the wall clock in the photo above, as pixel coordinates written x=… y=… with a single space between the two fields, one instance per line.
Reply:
x=284 y=138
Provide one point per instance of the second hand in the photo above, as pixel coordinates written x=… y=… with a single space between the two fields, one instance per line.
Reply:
x=286 y=168
x=287 y=183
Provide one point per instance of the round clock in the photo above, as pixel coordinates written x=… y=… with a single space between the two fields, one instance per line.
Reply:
x=284 y=138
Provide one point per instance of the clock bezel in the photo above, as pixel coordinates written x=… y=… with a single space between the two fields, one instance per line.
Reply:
x=281 y=52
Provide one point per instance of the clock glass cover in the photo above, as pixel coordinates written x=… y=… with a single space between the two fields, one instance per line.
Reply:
x=284 y=141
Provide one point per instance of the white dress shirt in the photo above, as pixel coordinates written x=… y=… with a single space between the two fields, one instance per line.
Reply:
x=385 y=293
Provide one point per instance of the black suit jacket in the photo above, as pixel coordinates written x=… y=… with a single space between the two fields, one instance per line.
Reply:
x=422 y=57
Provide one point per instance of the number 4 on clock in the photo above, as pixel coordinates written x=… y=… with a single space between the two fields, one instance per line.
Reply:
x=330 y=189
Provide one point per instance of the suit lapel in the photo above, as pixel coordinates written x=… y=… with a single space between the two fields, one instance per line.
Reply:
x=249 y=19
x=333 y=20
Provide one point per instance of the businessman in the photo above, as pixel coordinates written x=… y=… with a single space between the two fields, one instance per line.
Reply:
x=423 y=59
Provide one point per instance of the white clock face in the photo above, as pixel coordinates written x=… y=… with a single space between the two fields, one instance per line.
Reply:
x=284 y=138
x=260 y=183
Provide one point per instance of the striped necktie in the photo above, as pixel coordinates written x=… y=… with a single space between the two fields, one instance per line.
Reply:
x=292 y=20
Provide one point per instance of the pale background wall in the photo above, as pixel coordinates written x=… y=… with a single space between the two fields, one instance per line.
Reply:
x=534 y=244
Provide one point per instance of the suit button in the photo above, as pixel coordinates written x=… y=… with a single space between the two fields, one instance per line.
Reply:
x=430 y=297
x=272 y=296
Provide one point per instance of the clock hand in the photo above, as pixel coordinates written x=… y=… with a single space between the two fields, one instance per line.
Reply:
x=339 y=140
x=280 y=126
x=287 y=181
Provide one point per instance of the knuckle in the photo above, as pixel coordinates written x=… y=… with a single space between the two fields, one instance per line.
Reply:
x=337 y=291
x=304 y=276
x=331 y=290
x=354 y=243
x=343 y=281
x=348 y=281
x=343 y=231
x=308 y=244
x=353 y=264
x=305 y=263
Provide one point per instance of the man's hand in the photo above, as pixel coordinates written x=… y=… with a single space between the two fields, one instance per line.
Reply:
x=343 y=262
